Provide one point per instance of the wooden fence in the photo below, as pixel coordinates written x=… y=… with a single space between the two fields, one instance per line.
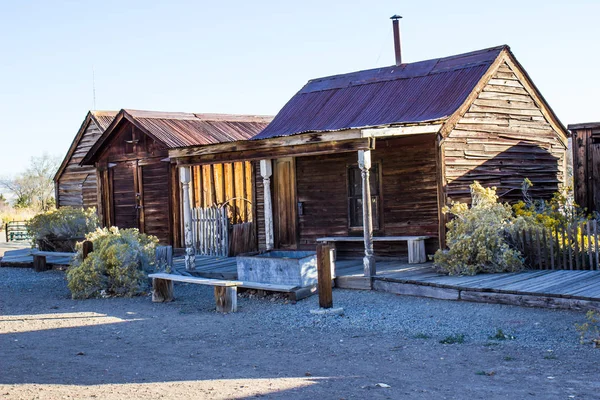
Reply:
x=16 y=230
x=571 y=247
x=210 y=231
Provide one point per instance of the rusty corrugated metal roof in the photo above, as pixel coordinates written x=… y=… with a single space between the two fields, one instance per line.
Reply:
x=189 y=129
x=177 y=129
x=408 y=93
x=103 y=118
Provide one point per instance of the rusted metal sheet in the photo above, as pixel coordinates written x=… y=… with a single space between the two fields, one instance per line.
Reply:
x=407 y=93
x=103 y=118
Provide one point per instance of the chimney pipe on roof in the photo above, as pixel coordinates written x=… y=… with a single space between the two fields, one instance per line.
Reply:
x=397 y=44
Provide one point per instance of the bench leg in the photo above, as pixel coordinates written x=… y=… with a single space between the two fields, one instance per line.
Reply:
x=416 y=251
x=39 y=264
x=226 y=298
x=162 y=290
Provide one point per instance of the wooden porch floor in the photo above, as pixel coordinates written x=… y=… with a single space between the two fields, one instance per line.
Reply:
x=578 y=290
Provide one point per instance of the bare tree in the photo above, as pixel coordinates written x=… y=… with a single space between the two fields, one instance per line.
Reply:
x=35 y=187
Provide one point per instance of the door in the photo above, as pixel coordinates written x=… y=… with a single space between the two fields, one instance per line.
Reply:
x=155 y=200
x=141 y=198
x=125 y=211
x=594 y=184
x=284 y=204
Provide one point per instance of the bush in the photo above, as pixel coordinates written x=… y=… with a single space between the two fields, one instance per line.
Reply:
x=478 y=237
x=58 y=230
x=118 y=266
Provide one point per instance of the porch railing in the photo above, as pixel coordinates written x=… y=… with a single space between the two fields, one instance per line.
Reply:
x=210 y=231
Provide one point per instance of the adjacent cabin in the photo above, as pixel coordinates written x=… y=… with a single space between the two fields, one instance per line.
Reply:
x=75 y=185
x=139 y=185
x=380 y=153
x=586 y=164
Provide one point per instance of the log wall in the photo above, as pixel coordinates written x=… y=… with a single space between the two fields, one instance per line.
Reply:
x=76 y=186
x=502 y=139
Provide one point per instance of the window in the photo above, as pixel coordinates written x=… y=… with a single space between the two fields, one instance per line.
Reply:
x=355 y=211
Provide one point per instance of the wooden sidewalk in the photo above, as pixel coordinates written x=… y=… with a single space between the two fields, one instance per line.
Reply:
x=23 y=258
x=578 y=290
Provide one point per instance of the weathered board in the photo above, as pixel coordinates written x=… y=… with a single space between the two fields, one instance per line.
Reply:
x=76 y=185
x=586 y=166
x=502 y=139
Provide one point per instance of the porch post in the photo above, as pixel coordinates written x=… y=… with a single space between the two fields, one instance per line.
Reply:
x=190 y=252
x=266 y=170
x=364 y=163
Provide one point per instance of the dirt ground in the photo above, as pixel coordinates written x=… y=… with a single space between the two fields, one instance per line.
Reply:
x=52 y=347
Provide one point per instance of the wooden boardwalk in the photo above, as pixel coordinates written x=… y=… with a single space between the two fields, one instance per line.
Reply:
x=23 y=258
x=545 y=288
x=208 y=267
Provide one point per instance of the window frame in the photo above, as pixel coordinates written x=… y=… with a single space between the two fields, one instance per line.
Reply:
x=378 y=225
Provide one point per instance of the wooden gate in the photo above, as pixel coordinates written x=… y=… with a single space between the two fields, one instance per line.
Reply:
x=210 y=231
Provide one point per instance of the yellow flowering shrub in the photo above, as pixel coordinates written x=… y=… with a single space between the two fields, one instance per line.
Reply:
x=118 y=266
x=478 y=236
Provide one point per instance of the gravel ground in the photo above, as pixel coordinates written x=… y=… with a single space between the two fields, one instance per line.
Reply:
x=56 y=347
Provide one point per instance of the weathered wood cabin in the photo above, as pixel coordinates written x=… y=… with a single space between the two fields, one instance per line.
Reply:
x=381 y=152
x=586 y=164
x=75 y=185
x=139 y=186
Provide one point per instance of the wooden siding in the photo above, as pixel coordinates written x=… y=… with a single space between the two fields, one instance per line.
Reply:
x=502 y=139
x=586 y=167
x=231 y=183
x=76 y=186
x=408 y=190
x=137 y=192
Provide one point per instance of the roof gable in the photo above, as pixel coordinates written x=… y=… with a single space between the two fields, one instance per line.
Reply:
x=102 y=119
x=409 y=93
x=175 y=129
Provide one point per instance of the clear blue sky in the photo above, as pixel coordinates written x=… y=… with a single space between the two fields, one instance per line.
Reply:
x=252 y=56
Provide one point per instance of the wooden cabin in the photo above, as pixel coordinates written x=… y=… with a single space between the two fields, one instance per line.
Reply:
x=586 y=164
x=75 y=185
x=139 y=186
x=380 y=153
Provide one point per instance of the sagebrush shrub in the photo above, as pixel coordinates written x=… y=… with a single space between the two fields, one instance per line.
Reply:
x=63 y=223
x=478 y=236
x=118 y=266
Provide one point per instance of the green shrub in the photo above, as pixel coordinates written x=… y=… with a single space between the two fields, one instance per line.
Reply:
x=64 y=224
x=478 y=236
x=118 y=266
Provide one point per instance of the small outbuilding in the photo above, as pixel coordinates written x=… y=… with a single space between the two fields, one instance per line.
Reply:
x=139 y=186
x=586 y=164
x=75 y=185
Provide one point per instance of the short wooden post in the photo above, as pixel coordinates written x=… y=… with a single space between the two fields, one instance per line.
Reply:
x=190 y=252
x=162 y=290
x=324 y=276
x=364 y=163
x=164 y=257
x=39 y=263
x=266 y=170
x=226 y=298
x=87 y=247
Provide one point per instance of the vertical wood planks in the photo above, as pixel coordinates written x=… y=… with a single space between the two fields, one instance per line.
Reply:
x=324 y=276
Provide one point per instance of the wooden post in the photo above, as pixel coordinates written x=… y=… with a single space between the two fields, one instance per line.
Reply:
x=164 y=257
x=364 y=163
x=86 y=248
x=416 y=251
x=162 y=290
x=39 y=263
x=266 y=170
x=226 y=298
x=190 y=252
x=324 y=276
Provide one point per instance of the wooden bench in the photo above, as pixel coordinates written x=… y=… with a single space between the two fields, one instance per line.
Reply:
x=225 y=291
x=416 y=244
x=39 y=258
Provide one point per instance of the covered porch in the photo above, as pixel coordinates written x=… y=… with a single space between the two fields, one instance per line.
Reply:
x=369 y=183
